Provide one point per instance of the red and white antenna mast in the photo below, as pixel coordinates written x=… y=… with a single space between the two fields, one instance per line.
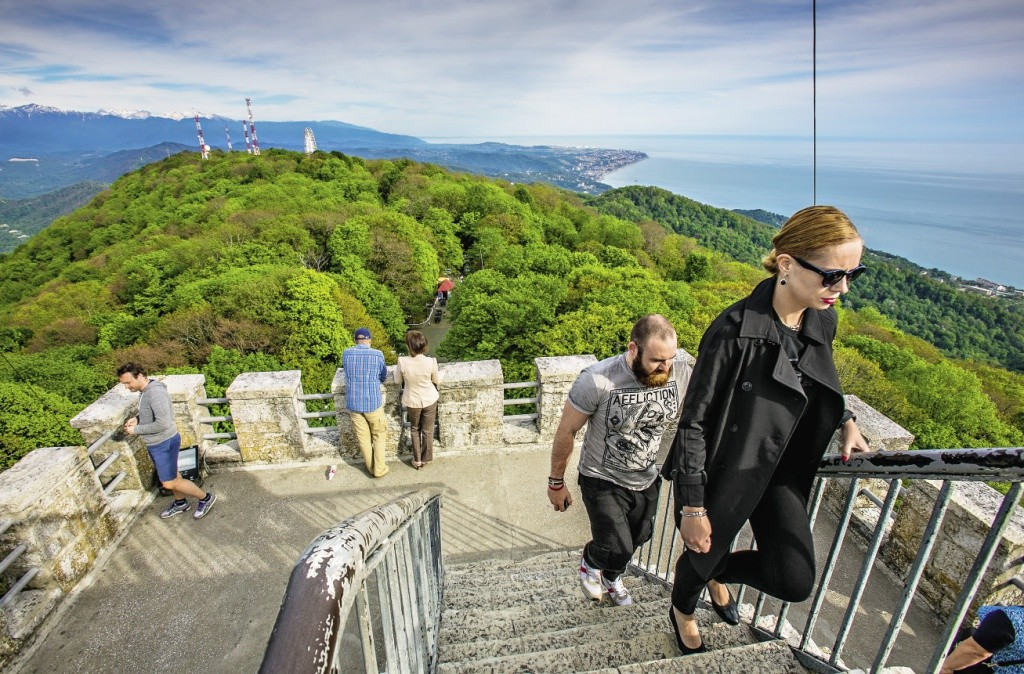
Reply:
x=252 y=128
x=228 y=134
x=245 y=132
x=204 y=149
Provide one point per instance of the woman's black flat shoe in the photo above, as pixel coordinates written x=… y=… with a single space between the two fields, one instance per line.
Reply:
x=729 y=613
x=683 y=648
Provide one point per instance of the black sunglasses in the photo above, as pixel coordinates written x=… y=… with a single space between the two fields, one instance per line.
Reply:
x=830 y=277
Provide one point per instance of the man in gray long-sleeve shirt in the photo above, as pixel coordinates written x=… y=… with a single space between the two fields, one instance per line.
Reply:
x=155 y=425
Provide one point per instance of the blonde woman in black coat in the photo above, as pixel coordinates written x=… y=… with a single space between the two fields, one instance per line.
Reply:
x=763 y=402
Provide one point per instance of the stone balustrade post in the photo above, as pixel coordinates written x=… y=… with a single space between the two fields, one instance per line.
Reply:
x=185 y=390
x=109 y=413
x=57 y=508
x=470 y=408
x=266 y=412
x=556 y=375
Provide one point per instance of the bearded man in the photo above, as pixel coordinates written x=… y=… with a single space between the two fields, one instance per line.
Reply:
x=627 y=402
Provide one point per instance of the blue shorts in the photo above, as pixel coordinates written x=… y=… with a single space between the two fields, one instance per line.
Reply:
x=165 y=458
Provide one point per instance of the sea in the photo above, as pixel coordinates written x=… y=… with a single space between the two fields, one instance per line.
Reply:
x=954 y=206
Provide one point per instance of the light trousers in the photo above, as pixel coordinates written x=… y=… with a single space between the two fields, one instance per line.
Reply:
x=371 y=433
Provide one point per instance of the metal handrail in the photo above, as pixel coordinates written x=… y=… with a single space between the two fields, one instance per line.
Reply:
x=206 y=402
x=948 y=466
x=385 y=563
x=521 y=384
x=509 y=402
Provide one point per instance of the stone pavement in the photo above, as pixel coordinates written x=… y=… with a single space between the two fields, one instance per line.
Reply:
x=184 y=595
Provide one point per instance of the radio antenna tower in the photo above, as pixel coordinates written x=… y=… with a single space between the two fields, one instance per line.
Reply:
x=252 y=128
x=228 y=134
x=204 y=149
x=245 y=132
x=310 y=141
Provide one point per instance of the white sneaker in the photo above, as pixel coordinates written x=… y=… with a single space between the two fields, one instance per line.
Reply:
x=590 y=580
x=617 y=592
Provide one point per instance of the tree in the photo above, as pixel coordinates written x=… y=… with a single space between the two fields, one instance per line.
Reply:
x=33 y=418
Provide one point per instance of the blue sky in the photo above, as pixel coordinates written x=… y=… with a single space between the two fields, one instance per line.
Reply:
x=887 y=69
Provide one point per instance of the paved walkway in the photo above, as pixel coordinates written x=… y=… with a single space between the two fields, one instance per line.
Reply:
x=183 y=595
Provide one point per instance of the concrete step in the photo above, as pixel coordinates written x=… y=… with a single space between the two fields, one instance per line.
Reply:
x=612 y=628
x=586 y=617
x=545 y=588
x=769 y=657
x=618 y=624
x=546 y=560
x=566 y=568
x=575 y=658
x=548 y=607
x=478 y=625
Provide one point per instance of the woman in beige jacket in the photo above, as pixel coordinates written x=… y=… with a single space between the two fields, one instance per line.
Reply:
x=419 y=395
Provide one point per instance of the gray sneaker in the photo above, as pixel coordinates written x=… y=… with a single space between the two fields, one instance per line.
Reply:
x=203 y=506
x=175 y=508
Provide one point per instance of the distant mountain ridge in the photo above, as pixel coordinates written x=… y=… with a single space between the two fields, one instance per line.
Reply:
x=65 y=143
x=32 y=130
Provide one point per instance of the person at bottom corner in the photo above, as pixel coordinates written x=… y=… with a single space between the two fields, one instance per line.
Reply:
x=365 y=371
x=627 y=402
x=155 y=425
x=997 y=644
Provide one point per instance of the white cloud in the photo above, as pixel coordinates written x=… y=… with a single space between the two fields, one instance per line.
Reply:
x=534 y=67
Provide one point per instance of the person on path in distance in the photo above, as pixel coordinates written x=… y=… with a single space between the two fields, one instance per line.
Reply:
x=627 y=402
x=763 y=403
x=418 y=372
x=155 y=425
x=365 y=371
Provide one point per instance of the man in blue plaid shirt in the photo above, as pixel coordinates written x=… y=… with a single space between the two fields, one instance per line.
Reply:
x=364 y=373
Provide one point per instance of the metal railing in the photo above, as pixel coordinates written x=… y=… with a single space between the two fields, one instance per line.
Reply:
x=321 y=414
x=657 y=557
x=385 y=563
x=510 y=402
x=226 y=419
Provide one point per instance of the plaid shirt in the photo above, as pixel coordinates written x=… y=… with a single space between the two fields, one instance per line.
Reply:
x=365 y=371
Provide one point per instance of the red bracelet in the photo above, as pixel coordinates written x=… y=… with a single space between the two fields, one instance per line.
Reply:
x=558 y=488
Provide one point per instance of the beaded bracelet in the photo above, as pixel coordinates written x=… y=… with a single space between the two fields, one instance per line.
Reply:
x=695 y=513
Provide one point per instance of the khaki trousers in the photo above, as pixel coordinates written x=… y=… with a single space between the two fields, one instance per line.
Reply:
x=371 y=432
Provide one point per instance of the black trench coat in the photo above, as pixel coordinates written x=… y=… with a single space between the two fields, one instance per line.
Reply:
x=743 y=407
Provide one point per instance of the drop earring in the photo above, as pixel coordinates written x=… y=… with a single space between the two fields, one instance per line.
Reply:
x=783 y=281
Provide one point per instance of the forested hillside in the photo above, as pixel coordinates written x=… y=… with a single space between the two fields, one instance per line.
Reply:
x=269 y=262
x=962 y=325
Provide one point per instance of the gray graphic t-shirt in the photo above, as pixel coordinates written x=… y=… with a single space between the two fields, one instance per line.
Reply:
x=627 y=421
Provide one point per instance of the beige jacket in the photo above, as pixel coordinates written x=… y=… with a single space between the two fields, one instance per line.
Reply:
x=421 y=380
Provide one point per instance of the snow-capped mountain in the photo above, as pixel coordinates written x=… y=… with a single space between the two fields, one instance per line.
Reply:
x=35 y=130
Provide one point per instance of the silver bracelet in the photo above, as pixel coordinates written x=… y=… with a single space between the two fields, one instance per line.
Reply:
x=696 y=513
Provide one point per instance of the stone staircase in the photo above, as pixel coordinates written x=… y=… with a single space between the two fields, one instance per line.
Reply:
x=530 y=617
